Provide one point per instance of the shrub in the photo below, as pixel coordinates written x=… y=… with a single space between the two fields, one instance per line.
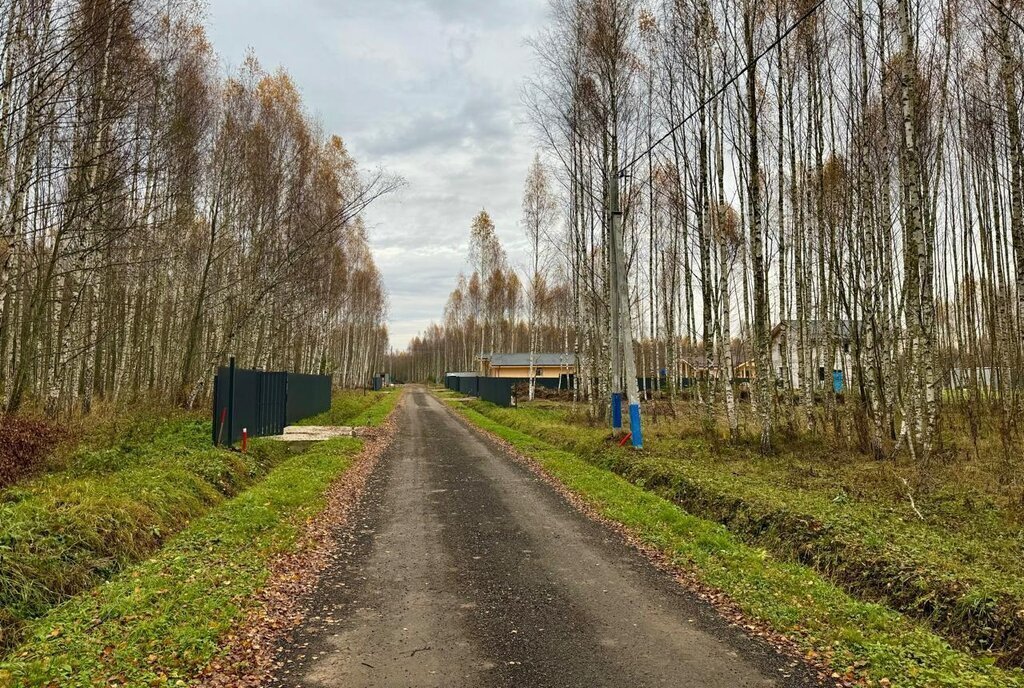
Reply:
x=24 y=445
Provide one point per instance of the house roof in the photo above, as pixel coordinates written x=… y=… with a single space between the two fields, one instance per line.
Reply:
x=539 y=359
x=698 y=364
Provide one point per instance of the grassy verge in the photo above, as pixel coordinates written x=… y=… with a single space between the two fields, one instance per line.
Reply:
x=68 y=530
x=862 y=640
x=116 y=497
x=357 y=408
x=160 y=622
x=956 y=567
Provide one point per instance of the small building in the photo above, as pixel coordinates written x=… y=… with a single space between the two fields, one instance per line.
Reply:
x=828 y=368
x=684 y=370
x=546 y=365
x=701 y=370
x=745 y=371
x=684 y=373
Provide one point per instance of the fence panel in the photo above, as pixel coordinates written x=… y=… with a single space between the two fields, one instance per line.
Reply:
x=273 y=391
x=453 y=381
x=497 y=390
x=469 y=386
x=308 y=396
x=264 y=403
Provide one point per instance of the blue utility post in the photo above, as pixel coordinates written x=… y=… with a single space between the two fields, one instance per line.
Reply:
x=617 y=411
x=635 y=427
x=620 y=293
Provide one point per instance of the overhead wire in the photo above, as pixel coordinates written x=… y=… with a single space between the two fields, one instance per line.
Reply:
x=710 y=99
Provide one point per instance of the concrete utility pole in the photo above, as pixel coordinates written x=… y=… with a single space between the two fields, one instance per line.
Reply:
x=614 y=238
x=624 y=322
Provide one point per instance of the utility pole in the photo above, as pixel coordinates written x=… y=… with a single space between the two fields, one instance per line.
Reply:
x=624 y=323
x=614 y=237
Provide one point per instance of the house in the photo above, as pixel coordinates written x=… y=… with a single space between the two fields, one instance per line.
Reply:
x=828 y=365
x=546 y=365
x=701 y=370
x=745 y=371
x=684 y=370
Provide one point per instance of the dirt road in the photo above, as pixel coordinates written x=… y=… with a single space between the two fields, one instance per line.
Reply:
x=463 y=568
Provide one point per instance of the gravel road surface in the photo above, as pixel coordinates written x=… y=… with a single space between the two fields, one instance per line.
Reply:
x=463 y=568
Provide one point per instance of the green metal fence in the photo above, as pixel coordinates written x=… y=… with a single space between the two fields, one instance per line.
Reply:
x=262 y=403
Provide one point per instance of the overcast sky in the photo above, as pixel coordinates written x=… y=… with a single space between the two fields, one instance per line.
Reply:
x=428 y=89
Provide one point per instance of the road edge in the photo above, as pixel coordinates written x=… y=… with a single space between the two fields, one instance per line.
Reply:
x=248 y=657
x=722 y=603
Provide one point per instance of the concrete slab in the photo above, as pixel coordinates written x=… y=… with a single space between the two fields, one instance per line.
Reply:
x=316 y=433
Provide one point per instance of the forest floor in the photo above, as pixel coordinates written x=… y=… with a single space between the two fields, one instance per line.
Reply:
x=128 y=555
x=822 y=545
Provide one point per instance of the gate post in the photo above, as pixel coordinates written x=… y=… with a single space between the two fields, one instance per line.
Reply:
x=216 y=412
x=231 y=401
x=286 y=390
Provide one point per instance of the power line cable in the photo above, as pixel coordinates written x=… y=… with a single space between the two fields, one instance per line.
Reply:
x=710 y=99
x=1006 y=14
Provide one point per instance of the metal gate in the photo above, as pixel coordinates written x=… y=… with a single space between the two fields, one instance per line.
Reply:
x=264 y=403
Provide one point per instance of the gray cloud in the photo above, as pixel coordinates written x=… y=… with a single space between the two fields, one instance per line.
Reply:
x=475 y=122
x=428 y=89
x=480 y=12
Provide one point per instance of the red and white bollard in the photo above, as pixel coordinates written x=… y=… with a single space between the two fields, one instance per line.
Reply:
x=245 y=439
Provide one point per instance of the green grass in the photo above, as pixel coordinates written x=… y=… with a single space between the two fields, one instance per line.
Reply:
x=161 y=621
x=859 y=638
x=115 y=496
x=846 y=516
x=71 y=529
x=357 y=408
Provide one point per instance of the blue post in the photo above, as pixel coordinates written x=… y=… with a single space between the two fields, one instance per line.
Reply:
x=634 y=426
x=616 y=411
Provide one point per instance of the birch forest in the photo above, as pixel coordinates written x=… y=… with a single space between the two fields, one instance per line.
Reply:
x=158 y=215
x=823 y=214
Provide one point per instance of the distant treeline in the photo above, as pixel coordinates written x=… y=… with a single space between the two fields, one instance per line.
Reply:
x=839 y=187
x=156 y=216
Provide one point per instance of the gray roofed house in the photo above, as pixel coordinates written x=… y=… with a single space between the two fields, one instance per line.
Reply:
x=524 y=359
x=551 y=365
x=825 y=367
